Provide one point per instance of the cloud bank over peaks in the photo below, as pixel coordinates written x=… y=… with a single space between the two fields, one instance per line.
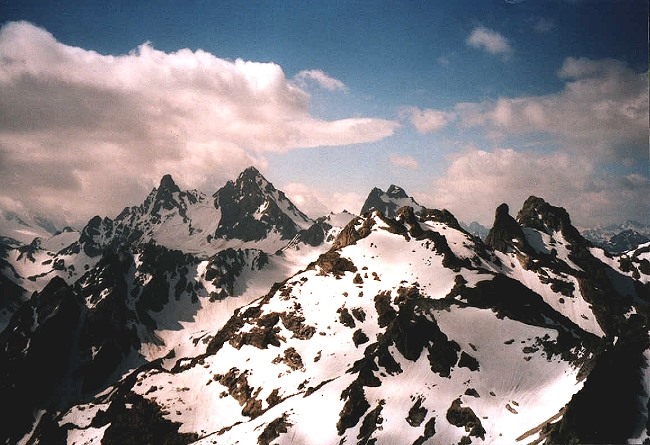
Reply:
x=490 y=41
x=78 y=128
x=477 y=181
x=316 y=203
x=591 y=148
x=601 y=112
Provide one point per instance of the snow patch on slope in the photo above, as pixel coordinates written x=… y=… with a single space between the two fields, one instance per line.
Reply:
x=574 y=307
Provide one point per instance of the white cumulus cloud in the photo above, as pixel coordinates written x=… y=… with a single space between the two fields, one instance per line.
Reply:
x=306 y=199
x=591 y=139
x=428 y=120
x=602 y=111
x=403 y=161
x=321 y=79
x=477 y=181
x=490 y=41
x=319 y=202
x=84 y=133
x=543 y=25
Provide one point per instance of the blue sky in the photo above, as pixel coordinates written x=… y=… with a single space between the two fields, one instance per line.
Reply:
x=465 y=104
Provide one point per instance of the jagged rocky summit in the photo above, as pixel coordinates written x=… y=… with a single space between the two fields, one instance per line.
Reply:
x=389 y=201
x=247 y=214
x=251 y=208
x=397 y=328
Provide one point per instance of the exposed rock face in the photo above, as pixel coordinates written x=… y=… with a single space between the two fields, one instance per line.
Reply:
x=89 y=234
x=540 y=215
x=315 y=234
x=224 y=268
x=505 y=234
x=167 y=196
x=388 y=202
x=167 y=185
x=139 y=421
x=11 y=293
x=624 y=241
x=107 y=329
x=608 y=409
x=248 y=209
x=35 y=351
x=442 y=216
x=251 y=208
x=164 y=217
x=66 y=342
x=406 y=215
x=166 y=203
x=164 y=197
x=464 y=417
x=396 y=192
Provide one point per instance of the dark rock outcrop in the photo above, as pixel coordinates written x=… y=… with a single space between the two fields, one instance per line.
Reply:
x=506 y=234
x=35 y=351
x=388 y=202
x=540 y=215
x=251 y=208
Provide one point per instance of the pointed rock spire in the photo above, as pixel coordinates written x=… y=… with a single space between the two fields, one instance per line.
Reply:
x=164 y=195
x=167 y=183
x=251 y=207
x=250 y=172
x=505 y=233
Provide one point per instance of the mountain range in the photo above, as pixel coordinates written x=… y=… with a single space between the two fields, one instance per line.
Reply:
x=236 y=319
x=618 y=238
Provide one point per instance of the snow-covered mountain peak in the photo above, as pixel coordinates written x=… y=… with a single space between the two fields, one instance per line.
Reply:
x=476 y=229
x=540 y=219
x=349 y=329
x=24 y=227
x=166 y=196
x=162 y=203
x=340 y=219
x=441 y=216
x=368 y=344
x=618 y=238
